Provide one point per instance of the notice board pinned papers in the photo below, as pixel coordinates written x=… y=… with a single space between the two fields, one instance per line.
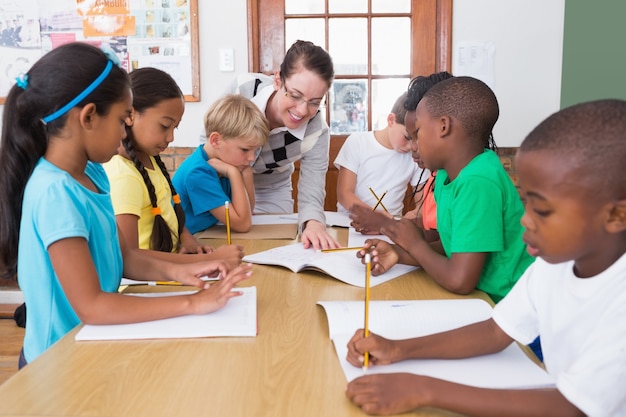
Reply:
x=237 y=318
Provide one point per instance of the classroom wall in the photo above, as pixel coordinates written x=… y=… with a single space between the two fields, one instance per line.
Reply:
x=528 y=38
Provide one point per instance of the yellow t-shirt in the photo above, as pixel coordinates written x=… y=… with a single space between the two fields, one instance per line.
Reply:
x=130 y=196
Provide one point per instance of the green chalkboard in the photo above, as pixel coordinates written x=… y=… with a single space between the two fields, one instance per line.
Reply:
x=594 y=51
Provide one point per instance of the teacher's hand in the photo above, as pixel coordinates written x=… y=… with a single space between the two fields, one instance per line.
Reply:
x=315 y=235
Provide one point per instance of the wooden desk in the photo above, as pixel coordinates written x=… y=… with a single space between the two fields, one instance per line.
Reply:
x=289 y=369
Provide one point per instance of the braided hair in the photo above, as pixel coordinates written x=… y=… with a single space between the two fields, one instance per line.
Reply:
x=150 y=87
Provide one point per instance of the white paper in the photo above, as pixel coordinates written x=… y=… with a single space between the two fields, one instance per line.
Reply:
x=343 y=265
x=476 y=59
x=237 y=318
x=510 y=368
x=334 y=218
x=358 y=239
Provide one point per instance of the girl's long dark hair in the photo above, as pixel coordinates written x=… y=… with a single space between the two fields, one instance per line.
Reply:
x=52 y=82
x=150 y=87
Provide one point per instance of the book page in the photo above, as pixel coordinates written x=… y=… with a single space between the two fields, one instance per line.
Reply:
x=510 y=368
x=343 y=265
x=237 y=318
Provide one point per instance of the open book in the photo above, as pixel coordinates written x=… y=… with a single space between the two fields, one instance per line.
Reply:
x=343 y=265
x=237 y=318
x=510 y=368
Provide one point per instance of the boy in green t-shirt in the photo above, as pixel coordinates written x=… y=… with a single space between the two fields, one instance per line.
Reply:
x=478 y=207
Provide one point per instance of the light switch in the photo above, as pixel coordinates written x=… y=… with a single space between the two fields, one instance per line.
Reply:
x=227 y=59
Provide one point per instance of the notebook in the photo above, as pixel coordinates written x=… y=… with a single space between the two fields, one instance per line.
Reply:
x=344 y=266
x=237 y=318
x=508 y=369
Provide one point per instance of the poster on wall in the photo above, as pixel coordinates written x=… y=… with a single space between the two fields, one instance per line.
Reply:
x=156 y=33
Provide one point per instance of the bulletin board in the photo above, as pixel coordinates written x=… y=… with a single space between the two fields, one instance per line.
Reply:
x=143 y=33
x=594 y=62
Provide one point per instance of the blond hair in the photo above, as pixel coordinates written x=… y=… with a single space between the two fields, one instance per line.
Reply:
x=234 y=116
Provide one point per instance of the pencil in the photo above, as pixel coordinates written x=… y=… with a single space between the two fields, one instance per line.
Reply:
x=167 y=283
x=366 y=331
x=379 y=201
x=227 y=222
x=342 y=249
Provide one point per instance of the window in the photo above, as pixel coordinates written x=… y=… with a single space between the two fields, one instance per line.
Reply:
x=377 y=46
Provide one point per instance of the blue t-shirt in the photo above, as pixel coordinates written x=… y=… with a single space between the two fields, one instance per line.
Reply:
x=57 y=207
x=201 y=189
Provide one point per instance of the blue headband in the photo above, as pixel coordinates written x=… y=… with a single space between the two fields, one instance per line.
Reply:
x=69 y=106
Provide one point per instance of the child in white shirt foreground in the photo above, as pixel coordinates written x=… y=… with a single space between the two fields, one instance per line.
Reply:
x=570 y=171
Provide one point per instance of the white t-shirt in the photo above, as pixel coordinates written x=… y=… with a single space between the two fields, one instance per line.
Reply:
x=382 y=169
x=582 y=323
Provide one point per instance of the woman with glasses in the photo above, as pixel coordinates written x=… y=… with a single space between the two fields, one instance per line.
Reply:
x=292 y=100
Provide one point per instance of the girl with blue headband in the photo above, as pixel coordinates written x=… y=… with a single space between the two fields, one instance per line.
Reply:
x=57 y=226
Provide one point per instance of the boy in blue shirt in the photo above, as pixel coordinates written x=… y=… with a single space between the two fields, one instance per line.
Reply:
x=220 y=169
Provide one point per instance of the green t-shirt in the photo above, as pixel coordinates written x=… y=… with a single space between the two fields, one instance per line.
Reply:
x=480 y=211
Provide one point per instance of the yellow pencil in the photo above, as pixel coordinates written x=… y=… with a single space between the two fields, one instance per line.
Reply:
x=366 y=331
x=167 y=283
x=379 y=201
x=226 y=204
x=342 y=249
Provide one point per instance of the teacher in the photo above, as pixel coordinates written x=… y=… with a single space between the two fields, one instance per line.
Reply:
x=292 y=100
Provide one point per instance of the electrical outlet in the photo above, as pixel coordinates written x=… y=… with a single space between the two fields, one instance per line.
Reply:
x=227 y=59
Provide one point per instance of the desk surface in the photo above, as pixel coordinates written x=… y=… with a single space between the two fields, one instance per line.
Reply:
x=289 y=369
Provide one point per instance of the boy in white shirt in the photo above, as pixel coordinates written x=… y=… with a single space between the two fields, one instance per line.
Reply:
x=378 y=162
x=570 y=171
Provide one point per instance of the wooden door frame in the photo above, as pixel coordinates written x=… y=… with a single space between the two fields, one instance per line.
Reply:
x=435 y=52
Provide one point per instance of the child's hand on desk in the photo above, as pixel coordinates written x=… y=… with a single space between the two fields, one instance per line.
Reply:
x=383 y=255
x=215 y=295
x=404 y=233
x=384 y=394
x=381 y=351
x=199 y=249
x=231 y=254
x=368 y=222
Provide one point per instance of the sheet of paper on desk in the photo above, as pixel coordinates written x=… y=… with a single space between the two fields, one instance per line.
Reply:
x=343 y=265
x=358 y=239
x=334 y=218
x=510 y=368
x=237 y=318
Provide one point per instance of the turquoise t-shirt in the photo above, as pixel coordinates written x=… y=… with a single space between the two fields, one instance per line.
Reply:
x=480 y=211
x=201 y=189
x=57 y=207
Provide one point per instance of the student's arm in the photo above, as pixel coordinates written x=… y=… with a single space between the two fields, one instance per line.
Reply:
x=239 y=209
x=396 y=393
x=459 y=273
x=127 y=224
x=346 y=184
x=190 y=245
x=72 y=263
x=248 y=181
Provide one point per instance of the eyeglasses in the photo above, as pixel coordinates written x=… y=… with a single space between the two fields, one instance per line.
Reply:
x=298 y=99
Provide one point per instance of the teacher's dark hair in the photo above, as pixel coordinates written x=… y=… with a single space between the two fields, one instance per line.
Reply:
x=310 y=56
